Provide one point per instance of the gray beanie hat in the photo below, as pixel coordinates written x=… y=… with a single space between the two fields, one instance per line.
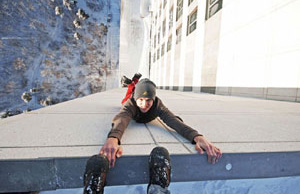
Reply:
x=145 y=88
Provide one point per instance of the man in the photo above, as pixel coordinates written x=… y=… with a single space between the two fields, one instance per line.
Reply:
x=144 y=106
x=130 y=84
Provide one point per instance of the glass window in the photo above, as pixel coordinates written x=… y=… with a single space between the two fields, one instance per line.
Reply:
x=165 y=3
x=154 y=41
x=212 y=1
x=178 y=35
x=213 y=6
x=158 y=52
x=169 y=45
x=154 y=57
x=158 y=36
x=179 y=9
x=190 y=1
x=192 y=22
x=160 y=10
x=162 y=49
x=171 y=18
x=164 y=28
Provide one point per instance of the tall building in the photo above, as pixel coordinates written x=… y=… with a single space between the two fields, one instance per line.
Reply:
x=228 y=47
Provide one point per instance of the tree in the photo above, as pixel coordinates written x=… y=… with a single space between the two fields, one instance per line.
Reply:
x=19 y=64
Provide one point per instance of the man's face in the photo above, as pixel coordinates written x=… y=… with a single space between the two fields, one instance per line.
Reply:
x=144 y=104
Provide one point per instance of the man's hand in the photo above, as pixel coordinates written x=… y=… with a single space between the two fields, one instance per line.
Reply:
x=213 y=153
x=111 y=150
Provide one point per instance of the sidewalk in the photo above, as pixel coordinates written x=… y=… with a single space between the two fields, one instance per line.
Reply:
x=78 y=128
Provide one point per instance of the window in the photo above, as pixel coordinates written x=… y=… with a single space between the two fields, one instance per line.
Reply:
x=164 y=28
x=160 y=10
x=158 y=36
x=154 y=57
x=190 y=1
x=165 y=3
x=169 y=44
x=179 y=9
x=213 y=6
x=154 y=41
x=158 y=52
x=171 y=18
x=162 y=49
x=178 y=35
x=192 y=22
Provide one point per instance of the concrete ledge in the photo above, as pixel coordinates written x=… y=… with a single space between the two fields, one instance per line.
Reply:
x=62 y=173
x=281 y=94
x=262 y=137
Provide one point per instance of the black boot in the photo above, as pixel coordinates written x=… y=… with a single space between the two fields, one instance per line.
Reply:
x=95 y=174
x=125 y=81
x=159 y=167
x=136 y=77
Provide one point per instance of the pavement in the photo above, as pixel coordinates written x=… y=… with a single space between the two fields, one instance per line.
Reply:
x=77 y=129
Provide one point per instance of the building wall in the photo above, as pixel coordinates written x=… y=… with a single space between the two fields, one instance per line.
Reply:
x=134 y=38
x=210 y=54
x=247 y=48
x=259 y=49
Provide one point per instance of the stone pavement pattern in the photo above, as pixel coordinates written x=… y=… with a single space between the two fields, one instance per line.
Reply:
x=79 y=127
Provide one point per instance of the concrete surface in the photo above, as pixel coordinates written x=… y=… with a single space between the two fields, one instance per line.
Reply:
x=77 y=129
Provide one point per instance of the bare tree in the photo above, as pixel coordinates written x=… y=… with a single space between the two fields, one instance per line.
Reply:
x=19 y=64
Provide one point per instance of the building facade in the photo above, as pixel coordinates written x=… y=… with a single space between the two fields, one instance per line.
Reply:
x=228 y=47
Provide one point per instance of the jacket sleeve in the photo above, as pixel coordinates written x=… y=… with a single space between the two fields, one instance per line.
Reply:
x=173 y=122
x=121 y=120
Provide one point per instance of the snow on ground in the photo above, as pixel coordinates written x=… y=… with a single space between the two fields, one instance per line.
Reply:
x=39 y=51
x=283 y=185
